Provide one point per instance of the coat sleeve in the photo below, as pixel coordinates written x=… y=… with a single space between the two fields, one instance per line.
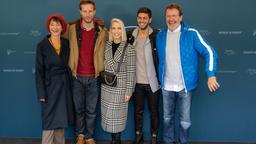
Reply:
x=66 y=34
x=208 y=52
x=40 y=73
x=161 y=58
x=130 y=37
x=130 y=70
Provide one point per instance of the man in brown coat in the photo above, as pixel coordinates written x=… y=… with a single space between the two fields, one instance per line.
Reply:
x=87 y=40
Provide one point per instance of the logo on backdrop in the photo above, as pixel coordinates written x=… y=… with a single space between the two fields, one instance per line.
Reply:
x=9 y=34
x=205 y=32
x=249 y=52
x=227 y=71
x=230 y=32
x=251 y=71
x=130 y=27
x=33 y=70
x=13 y=70
x=254 y=33
x=10 y=51
x=35 y=33
x=229 y=52
x=29 y=52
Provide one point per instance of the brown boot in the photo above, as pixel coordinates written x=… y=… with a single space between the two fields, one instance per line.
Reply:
x=90 y=141
x=80 y=139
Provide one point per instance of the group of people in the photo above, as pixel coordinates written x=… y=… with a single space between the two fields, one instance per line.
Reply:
x=150 y=63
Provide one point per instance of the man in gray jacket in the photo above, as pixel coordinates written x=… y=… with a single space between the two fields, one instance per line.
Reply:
x=143 y=38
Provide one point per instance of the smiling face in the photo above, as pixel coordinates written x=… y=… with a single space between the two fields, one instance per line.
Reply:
x=173 y=18
x=143 y=20
x=116 y=31
x=55 y=27
x=87 y=12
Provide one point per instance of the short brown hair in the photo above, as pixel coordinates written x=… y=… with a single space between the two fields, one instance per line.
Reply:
x=84 y=2
x=174 y=6
x=144 y=10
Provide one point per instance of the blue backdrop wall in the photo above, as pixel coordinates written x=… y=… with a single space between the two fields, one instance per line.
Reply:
x=229 y=25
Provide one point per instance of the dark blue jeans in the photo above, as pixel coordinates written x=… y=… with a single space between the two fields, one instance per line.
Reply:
x=170 y=101
x=85 y=94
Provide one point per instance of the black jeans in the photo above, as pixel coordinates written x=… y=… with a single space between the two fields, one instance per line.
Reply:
x=142 y=91
x=85 y=95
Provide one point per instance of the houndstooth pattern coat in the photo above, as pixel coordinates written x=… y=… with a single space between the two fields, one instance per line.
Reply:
x=113 y=108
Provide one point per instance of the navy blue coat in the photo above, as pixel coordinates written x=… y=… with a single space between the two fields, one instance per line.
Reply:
x=53 y=83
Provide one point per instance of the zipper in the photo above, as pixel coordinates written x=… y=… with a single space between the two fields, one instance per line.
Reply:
x=183 y=78
x=181 y=68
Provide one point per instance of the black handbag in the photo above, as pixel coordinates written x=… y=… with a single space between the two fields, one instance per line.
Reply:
x=109 y=78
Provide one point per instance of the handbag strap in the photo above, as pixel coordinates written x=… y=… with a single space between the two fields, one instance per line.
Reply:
x=122 y=57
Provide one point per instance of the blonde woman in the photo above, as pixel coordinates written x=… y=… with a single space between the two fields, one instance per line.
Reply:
x=114 y=100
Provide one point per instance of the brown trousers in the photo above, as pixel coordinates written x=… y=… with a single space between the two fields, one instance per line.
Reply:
x=53 y=136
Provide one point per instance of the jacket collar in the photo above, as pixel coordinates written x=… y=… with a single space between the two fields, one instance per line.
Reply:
x=178 y=29
x=184 y=27
x=113 y=60
x=136 y=31
x=79 y=25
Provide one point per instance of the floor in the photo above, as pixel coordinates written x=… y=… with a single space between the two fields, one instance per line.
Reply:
x=37 y=141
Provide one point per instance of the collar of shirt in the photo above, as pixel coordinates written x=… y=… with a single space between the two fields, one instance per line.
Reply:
x=81 y=26
x=178 y=29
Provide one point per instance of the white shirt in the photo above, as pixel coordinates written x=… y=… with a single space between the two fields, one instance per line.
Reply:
x=173 y=79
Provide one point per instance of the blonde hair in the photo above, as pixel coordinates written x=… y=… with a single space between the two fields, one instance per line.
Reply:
x=124 y=37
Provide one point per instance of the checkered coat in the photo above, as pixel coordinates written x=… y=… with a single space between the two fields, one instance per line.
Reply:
x=113 y=108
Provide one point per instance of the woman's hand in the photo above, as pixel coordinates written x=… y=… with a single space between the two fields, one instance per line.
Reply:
x=127 y=98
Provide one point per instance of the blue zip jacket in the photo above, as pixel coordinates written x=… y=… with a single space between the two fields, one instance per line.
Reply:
x=192 y=45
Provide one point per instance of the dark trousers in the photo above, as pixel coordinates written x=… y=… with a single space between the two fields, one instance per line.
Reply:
x=116 y=138
x=141 y=92
x=85 y=94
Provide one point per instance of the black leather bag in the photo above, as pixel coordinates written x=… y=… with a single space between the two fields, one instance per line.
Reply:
x=109 y=78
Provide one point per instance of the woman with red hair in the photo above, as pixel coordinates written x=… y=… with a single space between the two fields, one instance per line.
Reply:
x=53 y=81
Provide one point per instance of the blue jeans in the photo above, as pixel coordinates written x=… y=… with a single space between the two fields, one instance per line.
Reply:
x=170 y=100
x=85 y=95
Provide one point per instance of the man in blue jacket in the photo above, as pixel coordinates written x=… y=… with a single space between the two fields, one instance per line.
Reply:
x=179 y=47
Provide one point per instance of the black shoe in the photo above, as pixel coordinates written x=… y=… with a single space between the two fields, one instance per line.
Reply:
x=115 y=142
x=116 y=138
x=139 y=138
x=153 y=140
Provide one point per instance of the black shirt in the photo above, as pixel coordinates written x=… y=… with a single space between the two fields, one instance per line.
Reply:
x=114 y=48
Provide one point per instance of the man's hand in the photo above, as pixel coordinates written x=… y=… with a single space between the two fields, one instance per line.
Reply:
x=42 y=100
x=213 y=85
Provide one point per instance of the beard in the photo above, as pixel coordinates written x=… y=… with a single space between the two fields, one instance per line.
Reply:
x=145 y=27
x=88 y=20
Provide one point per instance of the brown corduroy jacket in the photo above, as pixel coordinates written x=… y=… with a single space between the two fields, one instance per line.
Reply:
x=74 y=35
